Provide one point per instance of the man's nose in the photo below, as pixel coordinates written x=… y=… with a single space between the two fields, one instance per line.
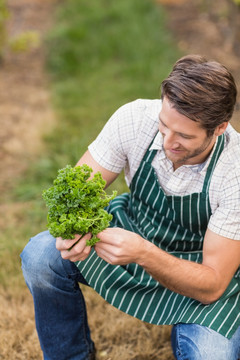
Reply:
x=169 y=139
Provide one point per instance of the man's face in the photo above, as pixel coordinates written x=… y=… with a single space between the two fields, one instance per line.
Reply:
x=184 y=141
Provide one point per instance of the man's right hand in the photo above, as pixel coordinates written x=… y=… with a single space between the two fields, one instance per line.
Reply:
x=75 y=249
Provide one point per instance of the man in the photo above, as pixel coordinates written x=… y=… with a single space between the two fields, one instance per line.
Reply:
x=172 y=253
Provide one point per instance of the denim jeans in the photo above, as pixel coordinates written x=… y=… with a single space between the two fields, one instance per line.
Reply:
x=61 y=318
x=60 y=313
x=196 y=342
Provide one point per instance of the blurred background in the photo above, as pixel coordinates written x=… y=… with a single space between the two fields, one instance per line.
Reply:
x=65 y=67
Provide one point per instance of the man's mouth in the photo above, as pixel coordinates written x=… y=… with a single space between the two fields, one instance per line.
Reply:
x=175 y=151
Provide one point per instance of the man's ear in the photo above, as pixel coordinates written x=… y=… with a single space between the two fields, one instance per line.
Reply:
x=221 y=128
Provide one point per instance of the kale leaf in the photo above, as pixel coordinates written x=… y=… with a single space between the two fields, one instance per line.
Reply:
x=76 y=203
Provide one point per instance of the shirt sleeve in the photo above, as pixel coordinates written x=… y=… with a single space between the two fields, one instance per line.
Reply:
x=112 y=146
x=225 y=220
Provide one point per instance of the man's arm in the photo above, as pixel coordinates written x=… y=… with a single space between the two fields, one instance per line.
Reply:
x=107 y=175
x=204 y=282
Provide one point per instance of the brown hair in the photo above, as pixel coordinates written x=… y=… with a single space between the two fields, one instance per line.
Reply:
x=202 y=90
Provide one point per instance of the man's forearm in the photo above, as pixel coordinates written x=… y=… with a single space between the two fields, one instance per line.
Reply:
x=204 y=282
x=182 y=276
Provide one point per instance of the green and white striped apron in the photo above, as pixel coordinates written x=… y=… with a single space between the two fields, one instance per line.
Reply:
x=176 y=224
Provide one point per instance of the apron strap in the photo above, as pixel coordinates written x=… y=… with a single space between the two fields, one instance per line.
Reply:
x=217 y=152
x=149 y=155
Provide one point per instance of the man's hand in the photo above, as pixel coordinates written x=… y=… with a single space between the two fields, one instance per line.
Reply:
x=74 y=250
x=119 y=247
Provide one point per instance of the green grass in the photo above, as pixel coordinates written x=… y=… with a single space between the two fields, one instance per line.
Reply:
x=104 y=54
x=100 y=55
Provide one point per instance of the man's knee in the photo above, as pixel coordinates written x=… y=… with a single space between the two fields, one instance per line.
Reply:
x=196 y=342
x=38 y=255
x=43 y=266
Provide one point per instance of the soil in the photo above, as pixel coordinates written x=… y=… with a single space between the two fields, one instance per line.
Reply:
x=26 y=113
x=24 y=96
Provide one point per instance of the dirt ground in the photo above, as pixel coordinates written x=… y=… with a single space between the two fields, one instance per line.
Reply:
x=26 y=112
x=24 y=99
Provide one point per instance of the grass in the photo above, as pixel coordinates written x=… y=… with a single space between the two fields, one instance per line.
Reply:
x=100 y=55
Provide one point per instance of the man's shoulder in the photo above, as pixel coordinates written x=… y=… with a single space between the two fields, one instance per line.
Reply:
x=232 y=134
x=150 y=107
x=141 y=115
x=232 y=144
x=144 y=113
x=228 y=164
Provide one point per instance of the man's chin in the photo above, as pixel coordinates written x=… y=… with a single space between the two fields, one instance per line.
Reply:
x=177 y=158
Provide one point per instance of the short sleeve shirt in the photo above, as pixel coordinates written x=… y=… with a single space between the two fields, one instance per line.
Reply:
x=124 y=140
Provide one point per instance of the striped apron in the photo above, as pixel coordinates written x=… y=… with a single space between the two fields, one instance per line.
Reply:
x=176 y=224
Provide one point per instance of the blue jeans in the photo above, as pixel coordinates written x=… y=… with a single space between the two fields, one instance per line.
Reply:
x=196 y=342
x=60 y=313
x=61 y=318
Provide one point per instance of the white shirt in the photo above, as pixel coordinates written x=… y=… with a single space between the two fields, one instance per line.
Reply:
x=125 y=138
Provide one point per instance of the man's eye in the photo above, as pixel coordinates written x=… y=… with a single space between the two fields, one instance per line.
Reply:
x=162 y=124
x=185 y=136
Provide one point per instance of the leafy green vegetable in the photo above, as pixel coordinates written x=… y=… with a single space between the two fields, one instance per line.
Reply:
x=76 y=203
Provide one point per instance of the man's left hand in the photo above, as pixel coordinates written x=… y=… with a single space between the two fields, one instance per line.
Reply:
x=119 y=247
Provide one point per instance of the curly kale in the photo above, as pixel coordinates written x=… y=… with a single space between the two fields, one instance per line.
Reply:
x=76 y=203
